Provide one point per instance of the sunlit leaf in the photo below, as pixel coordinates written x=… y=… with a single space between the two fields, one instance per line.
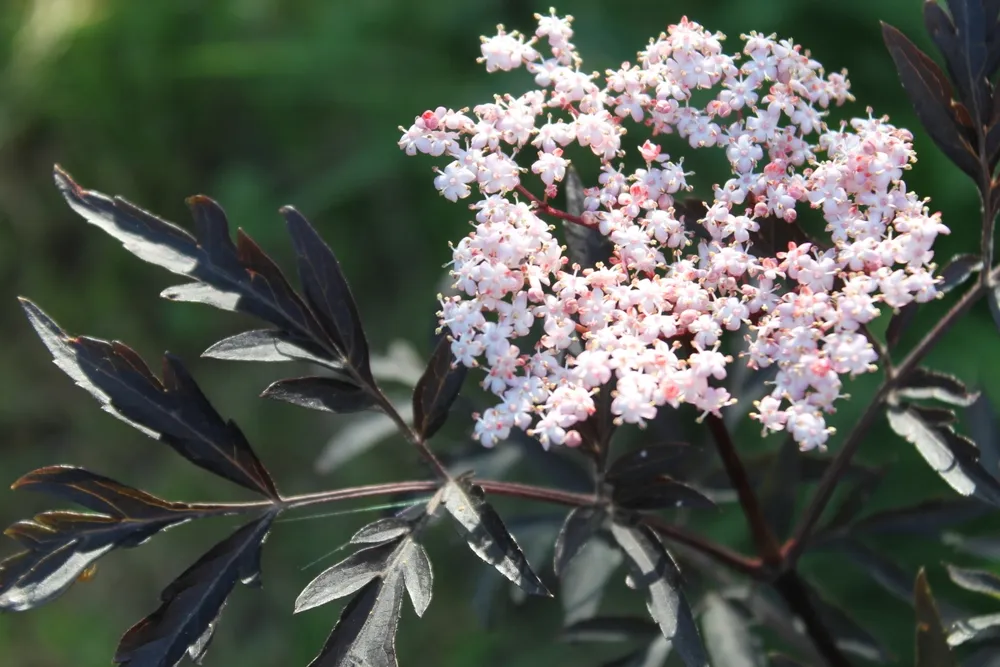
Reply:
x=953 y=457
x=321 y=393
x=979 y=581
x=185 y=621
x=173 y=411
x=581 y=524
x=483 y=529
x=62 y=545
x=924 y=383
x=265 y=345
x=657 y=574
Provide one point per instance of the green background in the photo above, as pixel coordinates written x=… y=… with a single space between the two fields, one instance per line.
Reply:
x=260 y=103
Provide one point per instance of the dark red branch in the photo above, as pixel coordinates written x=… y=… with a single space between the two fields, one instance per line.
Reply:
x=544 y=208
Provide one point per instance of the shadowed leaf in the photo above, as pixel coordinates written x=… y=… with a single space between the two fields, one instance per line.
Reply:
x=610 y=629
x=659 y=492
x=883 y=571
x=657 y=574
x=361 y=434
x=62 y=545
x=436 y=390
x=958 y=270
x=924 y=518
x=327 y=292
x=645 y=462
x=585 y=578
x=584 y=245
x=952 y=456
x=985 y=433
x=398 y=556
x=963 y=42
x=173 y=411
x=924 y=383
x=727 y=636
x=900 y=322
x=185 y=621
x=321 y=393
x=930 y=93
x=482 y=528
x=581 y=524
x=779 y=490
x=932 y=645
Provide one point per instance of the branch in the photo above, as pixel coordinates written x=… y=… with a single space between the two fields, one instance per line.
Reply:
x=763 y=537
x=828 y=483
x=544 y=208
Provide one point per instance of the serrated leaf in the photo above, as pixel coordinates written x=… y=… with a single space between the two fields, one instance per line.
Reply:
x=321 y=393
x=402 y=556
x=931 y=95
x=658 y=575
x=581 y=524
x=727 y=636
x=173 y=411
x=382 y=530
x=953 y=457
x=185 y=621
x=932 y=644
x=659 y=492
x=923 y=383
x=327 y=292
x=585 y=246
x=62 y=545
x=483 y=529
x=265 y=345
x=979 y=581
x=963 y=42
x=239 y=277
x=436 y=390
x=585 y=578
x=365 y=634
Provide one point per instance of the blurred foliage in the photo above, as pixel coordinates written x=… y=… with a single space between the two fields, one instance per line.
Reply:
x=260 y=103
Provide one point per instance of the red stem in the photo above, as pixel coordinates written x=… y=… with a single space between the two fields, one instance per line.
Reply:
x=544 y=208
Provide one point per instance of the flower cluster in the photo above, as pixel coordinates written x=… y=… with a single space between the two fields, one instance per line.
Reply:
x=550 y=333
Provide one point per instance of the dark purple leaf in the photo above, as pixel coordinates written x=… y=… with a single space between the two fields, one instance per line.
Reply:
x=585 y=246
x=900 y=322
x=185 y=621
x=173 y=411
x=953 y=457
x=659 y=492
x=365 y=634
x=327 y=292
x=932 y=643
x=597 y=429
x=437 y=390
x=657 y=574
x=401 y=557
x=265 y=345
x=483 y=529
x=855 y=500
x=321 y=393
x=850 y=635
x=882 y=570
x=963 y=42
x=924 y=383
x=645 y=462
x=581 y=524
x=931 y=95
x=928 y=517
x=62 y=545
x=958 y=270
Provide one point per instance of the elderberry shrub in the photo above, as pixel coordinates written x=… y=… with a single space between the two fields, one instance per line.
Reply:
x=581 y=309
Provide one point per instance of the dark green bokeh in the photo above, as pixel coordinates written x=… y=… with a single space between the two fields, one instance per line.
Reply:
x=260 y=103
